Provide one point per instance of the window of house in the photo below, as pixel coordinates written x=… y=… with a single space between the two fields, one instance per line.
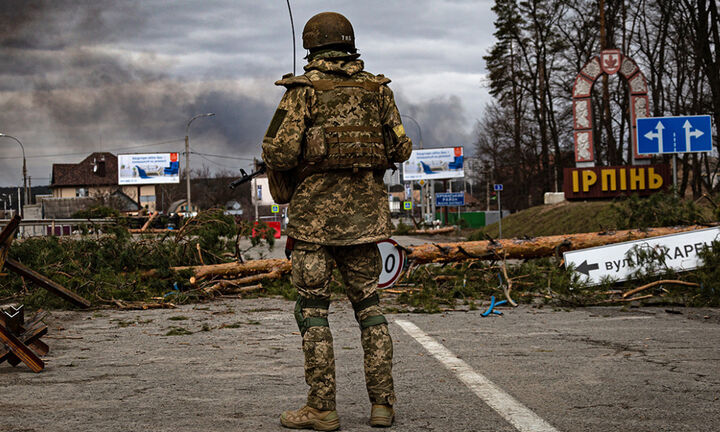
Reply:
x=81 y=192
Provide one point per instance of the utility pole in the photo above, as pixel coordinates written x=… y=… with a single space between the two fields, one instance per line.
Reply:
x=187 y=158
x=24 y=172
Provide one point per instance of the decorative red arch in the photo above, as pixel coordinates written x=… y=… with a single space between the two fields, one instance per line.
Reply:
x=610 y=61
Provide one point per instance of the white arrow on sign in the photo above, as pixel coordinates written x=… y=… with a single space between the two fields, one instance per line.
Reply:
x=697 y=133
x=659 y=135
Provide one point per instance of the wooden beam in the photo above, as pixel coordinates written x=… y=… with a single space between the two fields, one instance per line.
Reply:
x=21 y=351
x=46 y=283
x=9 y=229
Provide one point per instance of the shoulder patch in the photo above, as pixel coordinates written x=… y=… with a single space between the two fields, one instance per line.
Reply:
x=292 y=81
x=275 y=123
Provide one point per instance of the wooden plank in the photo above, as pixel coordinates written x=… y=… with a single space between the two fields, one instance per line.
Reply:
x=6 y=238
x=21 y=351
x=26 y=338
x=46 y=283
x=9 y=230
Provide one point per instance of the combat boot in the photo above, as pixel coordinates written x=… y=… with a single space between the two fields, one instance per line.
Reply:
x=311 y=418
x=382 y=416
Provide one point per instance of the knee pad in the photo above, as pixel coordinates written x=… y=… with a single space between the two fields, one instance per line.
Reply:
x=305 y=323
x=365 y=303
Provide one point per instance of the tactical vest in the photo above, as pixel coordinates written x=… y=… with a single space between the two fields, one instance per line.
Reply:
x=346 y=131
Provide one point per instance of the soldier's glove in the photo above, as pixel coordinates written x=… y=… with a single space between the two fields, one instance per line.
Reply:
x=289 y=245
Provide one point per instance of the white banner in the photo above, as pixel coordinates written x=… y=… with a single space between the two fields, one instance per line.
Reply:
x=433 y=164
x=148 y=168
x=619 y=261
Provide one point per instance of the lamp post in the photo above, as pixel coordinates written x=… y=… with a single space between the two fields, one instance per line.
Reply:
x=25 y=189
x=187 y=156
x=423 y=189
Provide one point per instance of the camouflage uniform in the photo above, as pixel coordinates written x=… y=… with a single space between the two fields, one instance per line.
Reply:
x=337 y=215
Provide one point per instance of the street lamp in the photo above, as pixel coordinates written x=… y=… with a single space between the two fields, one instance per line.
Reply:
x=422 y=188
x=187 y=155
x=418 y=126
x=25 y=190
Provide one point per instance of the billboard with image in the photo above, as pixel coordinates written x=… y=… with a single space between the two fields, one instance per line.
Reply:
x=434 y=164
x=148 y=168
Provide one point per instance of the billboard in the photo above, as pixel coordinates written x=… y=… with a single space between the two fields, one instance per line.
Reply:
x=148 y=168
x=433 y=164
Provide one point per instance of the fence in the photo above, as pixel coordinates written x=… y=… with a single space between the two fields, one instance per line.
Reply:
x=56 y=227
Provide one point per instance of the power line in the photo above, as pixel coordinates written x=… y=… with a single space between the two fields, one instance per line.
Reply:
x=85 y=152
x=221 y=156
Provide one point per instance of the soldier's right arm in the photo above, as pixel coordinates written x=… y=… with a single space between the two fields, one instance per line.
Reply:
x=282 y=143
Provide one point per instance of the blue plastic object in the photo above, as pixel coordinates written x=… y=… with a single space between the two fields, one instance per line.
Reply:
x=176 y=290
x=491 y=309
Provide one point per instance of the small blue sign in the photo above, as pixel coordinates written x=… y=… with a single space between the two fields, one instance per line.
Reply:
x=407 y=205
x=498 y=187
x=450 y=199
x=674 y=134
x=275 y=208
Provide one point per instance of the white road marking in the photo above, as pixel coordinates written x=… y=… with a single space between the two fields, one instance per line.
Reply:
x=508 y=407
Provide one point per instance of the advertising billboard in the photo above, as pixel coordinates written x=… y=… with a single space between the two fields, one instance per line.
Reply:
x=433 y=164
x=148 y=168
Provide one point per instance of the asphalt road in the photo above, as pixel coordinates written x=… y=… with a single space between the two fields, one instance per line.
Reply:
x=594 y=369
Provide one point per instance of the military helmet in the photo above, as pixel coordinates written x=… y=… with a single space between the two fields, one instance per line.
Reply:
x=328 y=28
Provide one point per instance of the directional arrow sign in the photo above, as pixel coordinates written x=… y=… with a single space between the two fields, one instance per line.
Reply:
x=620 y=261
x=658 y=135
x=586 y=268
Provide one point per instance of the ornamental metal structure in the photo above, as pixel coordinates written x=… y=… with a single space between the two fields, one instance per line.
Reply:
x=608 y=62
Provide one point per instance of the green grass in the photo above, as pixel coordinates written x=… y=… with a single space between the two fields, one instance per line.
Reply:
x=572 y=217
x=562 y=218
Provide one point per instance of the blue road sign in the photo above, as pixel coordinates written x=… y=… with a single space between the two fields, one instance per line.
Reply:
x=498 y=187
x=674 y=134
x=407 y=205
x=275 y=208
x=450 y=199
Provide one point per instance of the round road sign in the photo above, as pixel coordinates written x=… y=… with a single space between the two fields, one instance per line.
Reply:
x=393 y=260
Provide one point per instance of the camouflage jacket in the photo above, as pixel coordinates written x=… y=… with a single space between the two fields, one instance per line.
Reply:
x=332 y=207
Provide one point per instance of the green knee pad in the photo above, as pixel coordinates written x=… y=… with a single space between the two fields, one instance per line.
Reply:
x=305 y=323
x=373 y=320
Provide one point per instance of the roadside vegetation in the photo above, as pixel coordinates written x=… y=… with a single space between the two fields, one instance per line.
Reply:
x=113 y=267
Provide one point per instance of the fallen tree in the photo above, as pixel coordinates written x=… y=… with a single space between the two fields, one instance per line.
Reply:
x=448 y=252
x=530 y=247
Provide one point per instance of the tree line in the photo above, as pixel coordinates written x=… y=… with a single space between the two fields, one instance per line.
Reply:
x=526 y=135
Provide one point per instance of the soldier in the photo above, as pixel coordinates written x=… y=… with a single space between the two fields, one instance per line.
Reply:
x=336 y=130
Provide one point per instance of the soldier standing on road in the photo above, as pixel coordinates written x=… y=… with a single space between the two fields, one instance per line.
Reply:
x=336 y=130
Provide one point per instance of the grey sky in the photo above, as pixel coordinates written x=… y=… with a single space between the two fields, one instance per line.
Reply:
x=100 y=75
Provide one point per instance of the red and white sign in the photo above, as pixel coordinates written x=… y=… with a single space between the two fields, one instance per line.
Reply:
x=610 y=61
x=393 y=260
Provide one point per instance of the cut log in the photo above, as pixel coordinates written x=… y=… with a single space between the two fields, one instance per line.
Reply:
x=531 y=247
x=445 y=230
x=149 y=221
x=237 y=268
x=227 y=283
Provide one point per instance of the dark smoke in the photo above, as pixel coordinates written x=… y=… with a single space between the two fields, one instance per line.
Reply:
x=55 y=71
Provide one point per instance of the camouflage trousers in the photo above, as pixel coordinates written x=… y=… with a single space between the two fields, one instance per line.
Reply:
x=360 y=267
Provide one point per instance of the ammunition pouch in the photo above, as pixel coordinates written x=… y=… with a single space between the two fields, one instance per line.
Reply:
x=305 y=323
x=365 y=303
x=282 y=185
x=345 y=147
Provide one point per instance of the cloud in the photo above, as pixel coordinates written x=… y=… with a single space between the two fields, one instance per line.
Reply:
x=78 y=76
